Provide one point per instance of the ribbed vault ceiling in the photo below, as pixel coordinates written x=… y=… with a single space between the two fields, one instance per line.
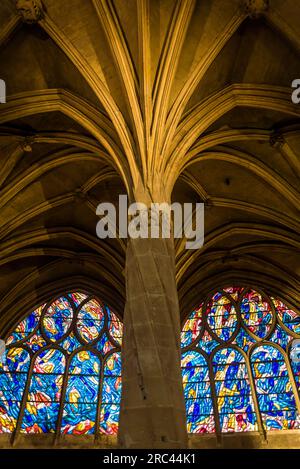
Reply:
x=189 y=98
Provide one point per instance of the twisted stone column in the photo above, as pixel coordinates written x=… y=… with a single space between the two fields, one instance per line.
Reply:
x=152 y=409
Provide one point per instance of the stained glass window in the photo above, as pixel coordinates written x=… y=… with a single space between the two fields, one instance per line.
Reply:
x=62 y=370
x=236 y=367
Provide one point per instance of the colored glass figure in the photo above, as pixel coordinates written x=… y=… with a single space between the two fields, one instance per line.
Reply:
x=71 y=346
x=58 y=318
x=197 y=393
x=207 y=343
x=235 y=319
x=26 y=326
x=287 y=316
x=234 y=292
x=13 y=376
x=115 y=327
x=280 y=337
x=80 y=408
x=256 y=313
x=75 y=344
x=77 y=297
x=221 y=316
x=274 y=390
x=234 y=399
x=192 y=327
x=90 y=320
x=111 y=395
x=243 y=340
x=42 y=403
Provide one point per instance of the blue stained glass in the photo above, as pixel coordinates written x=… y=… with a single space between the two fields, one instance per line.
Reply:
x=218 y=297
x=12 y=386
x=268 y=362
x=45 y=387
x=275 y=383
x=243 y=340
x=235 y=403
x=17 y=359
x=82 y=389
x=241 y=386
x=287 y=316
x=194 y=374
x=111 y=391
x=228 y=355
x=296 y=372
x=9 y=412
x=192 y=327
x=70 y=343
x=207 y=343
x=197 y=407
x=90 y=320
x=113 y=365
x=196 y=390
x=239 y=421
x=280 y=337
x=79 y=418
x=256 y=313
x=115 y=326
x=50 y=361
x=40 y=417
x=104 y=345
x=35 y=342
x=42 y=405
x=221 y=317
x=58 y=319
x=281 y=420
x=192 y=358
x=77 y=297
x=234 y=292
x=81 y=394
x=43 y=400
x=276 y=402
x=197 y=423
x=269 y=369
x=13 y=378
x=25 y=327
x=109 y=419
x=231 y=381
x=85 y=363
x=266 y=353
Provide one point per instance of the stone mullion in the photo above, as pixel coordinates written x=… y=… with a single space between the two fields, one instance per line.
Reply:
x=214 y=399
x=24 y=400
x=62 y=400
x=99 y=402
x=260 y=424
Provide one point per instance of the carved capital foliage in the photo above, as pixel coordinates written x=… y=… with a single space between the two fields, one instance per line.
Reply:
x=256 y=8
x=31 y=11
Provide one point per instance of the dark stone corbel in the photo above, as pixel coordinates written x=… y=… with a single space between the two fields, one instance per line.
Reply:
x=255 y=8
x=276 y=140
x=31 y=11
x=27 y=144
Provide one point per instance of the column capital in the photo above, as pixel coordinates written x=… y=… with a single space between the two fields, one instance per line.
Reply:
x=31 y=11
x=255 y=8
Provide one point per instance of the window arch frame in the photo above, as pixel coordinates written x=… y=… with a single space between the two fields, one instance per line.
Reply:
x=194 y=345
x=57 y=435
